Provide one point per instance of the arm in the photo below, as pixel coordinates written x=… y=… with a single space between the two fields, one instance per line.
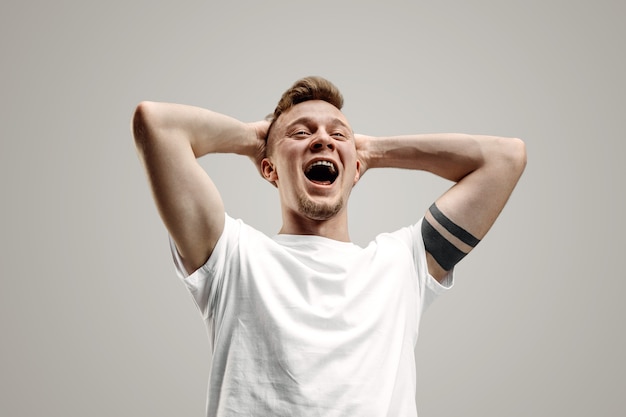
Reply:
x=485 y=170
x=169 y=138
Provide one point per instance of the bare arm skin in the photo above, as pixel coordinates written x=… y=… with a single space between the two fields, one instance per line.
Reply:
x=484 y=168
x=169 y=139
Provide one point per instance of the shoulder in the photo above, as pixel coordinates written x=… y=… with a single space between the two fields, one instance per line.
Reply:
x=237 y=231
x=408 y=236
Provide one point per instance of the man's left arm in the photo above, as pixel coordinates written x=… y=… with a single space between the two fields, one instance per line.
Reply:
x=485 y=170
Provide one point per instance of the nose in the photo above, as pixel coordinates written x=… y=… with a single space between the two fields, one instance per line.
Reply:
x=322 y=141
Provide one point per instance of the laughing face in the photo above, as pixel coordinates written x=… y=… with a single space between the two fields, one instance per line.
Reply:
x=312 y=160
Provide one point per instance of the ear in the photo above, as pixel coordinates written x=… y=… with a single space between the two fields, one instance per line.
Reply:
x=357 y=175
x=269 y=171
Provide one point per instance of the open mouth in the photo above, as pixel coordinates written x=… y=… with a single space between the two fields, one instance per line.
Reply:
x=322 y=172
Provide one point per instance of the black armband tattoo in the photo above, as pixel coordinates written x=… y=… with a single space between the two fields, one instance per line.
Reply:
x=447 y=250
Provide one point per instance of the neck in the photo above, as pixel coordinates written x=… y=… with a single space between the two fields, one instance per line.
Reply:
x=335 y=228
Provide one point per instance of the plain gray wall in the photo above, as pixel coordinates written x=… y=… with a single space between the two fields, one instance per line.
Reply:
x=92 y=318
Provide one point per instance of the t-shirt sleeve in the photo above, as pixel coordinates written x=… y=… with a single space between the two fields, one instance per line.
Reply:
x=430 y=288
x=205 y=282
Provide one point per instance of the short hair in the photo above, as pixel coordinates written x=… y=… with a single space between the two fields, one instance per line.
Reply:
x=305 y=89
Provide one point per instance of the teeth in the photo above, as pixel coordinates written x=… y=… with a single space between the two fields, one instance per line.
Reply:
x=322 y=163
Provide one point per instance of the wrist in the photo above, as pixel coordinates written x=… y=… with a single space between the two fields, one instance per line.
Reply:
x=253 y=139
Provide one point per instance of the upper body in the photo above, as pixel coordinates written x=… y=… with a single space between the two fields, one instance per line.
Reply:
x=312 y=326
x=311 y=154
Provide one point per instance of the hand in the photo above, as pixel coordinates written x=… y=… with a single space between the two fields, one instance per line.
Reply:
x=257 y=152
x=362 y=143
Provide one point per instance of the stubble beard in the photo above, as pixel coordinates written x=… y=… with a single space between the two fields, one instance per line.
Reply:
x=318 y=211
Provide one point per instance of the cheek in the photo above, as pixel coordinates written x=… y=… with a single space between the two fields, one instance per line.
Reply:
x=285 y=166
x=351 y=159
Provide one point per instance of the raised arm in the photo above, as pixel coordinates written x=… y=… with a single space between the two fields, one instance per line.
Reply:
x=169 y=139
x=485 y=170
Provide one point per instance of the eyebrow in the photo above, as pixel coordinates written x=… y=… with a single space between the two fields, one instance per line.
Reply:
x=306 y=120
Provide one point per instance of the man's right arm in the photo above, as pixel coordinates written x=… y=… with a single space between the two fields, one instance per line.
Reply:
x=169 y=139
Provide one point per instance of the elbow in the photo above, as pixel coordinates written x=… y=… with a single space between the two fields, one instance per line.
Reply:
x=514 y=155
x=141 y=123
x=518 y=154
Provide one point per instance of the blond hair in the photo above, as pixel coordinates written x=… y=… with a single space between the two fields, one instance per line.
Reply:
x=308 y=88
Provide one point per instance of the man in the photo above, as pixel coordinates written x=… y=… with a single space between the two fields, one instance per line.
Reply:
x=306 y=323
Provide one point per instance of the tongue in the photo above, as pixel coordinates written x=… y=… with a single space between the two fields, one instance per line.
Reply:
x=320 y=182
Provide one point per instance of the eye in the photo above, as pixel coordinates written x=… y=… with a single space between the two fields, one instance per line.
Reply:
x=339 y=135
x=301 y=133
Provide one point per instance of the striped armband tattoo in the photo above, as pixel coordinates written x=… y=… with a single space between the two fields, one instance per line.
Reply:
x=447 y=242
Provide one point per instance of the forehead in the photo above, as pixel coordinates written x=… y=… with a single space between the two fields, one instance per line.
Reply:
x=318 y=111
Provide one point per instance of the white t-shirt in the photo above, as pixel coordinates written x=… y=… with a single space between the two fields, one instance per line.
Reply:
x=310 y=326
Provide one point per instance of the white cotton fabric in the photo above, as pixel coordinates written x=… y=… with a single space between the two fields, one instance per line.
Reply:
x=310 y=326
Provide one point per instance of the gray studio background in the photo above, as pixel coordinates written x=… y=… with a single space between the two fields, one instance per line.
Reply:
x=93 y=321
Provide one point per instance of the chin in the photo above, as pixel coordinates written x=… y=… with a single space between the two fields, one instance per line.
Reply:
x=319 y=210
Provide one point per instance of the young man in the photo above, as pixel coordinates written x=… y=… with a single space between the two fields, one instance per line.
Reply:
x=306 y=323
